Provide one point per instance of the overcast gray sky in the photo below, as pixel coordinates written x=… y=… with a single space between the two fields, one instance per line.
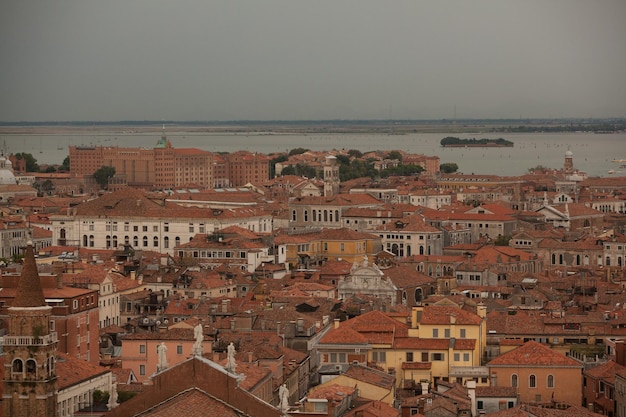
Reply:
x=315 y=59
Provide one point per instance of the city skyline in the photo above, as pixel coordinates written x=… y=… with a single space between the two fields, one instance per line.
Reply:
x=277 y=60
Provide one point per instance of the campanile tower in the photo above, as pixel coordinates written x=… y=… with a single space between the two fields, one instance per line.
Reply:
x=29 y=380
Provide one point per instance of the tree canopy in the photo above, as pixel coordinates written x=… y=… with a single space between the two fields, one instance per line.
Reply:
x=31 y=162
x=103 y=174
x=448 y=167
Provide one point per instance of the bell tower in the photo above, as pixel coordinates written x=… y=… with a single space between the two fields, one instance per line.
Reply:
x=29 y=380
x=331 y=176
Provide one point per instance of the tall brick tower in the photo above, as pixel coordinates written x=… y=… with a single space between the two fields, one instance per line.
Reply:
x=29 y=380
x=331 y=176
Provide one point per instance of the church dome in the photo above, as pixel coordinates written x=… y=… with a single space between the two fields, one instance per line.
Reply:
x=569 y=154
x=6 y=172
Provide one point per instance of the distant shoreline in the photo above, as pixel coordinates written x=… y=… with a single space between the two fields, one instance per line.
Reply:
x=389 y=127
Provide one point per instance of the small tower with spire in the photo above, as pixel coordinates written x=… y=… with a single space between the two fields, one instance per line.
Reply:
x=331 y=176
x=568 y=164
x=29 y=381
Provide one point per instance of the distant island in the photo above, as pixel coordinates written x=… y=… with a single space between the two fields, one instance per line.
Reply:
x=452 y=142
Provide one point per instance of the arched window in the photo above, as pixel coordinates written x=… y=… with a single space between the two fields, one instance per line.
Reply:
x=421 y=250
x=135 y=241
x=314 y=215
x=608 y=261
x=166 y=242
x=18 y=365
x=514 y=380
x=108 y=241
x=114 y=241
x=550 y=381
x=155 y=242
x=403 y=297
x=85 y=242
x=408 y=250
x=293 y=216
x=325 y=215
x=126 y=240
x=553 y=259
x=145 y=241
x=31 y=366
x=336 y=215
x=532 y=381
x=91 y=241
x=306 y=215
x=177 y=241
x=561 y=259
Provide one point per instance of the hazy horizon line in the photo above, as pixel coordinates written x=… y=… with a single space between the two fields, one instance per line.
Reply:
x=620 y=119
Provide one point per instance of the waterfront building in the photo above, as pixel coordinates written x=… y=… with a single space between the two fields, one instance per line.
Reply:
x=166 y=167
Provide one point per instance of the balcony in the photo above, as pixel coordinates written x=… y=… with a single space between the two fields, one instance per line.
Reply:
x=29 y=340
x=469 y=371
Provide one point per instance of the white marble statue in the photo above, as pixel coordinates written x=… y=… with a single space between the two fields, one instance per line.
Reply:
x=283 y=396
x=162 y=356
x=113 y=397
x=230 y=361
x=198 y=334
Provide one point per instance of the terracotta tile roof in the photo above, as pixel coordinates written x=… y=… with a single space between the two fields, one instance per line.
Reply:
x=486 y=392
x=606 y=371
x=343 y=335
x=72 y=371
x=344 y=200
x=191 y=403
x=442 y=314
x=331 y=392
x=534 y=354
x=370 y=376
x=374 y=409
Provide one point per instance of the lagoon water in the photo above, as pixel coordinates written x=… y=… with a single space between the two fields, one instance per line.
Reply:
x=593 y=153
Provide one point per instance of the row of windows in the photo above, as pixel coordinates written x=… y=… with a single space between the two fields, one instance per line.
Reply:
x=532 y=381
x=318 y=215
x=214 y=254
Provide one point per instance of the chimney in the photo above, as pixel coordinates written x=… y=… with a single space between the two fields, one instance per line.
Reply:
x=424 y=384
x=300 y=324
x=57 y=268
x=471 y=393
x=420 y=405
x=336 y=323
x=494 y=380
x=620 y=352
x=249 y=357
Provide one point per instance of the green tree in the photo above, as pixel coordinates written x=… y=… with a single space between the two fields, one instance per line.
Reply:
x=448 y=167
x=102 y=176
x=279 y=158
x=44 y=188
x=65 y=166
x=502 y=240
x=402 y=170
x=395 y=155
x=297 y=151
x=343 y=159
x=100 y=397
x=31 y=162
x=355 y=153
